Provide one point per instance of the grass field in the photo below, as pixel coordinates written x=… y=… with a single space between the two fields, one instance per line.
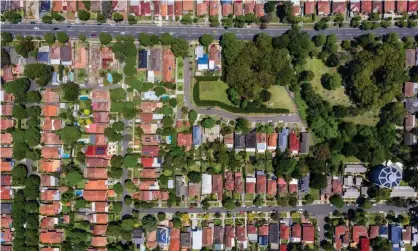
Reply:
x=280 y=99
x=214 y=90
x=335 y=97
x=369 y=118
x=180 y=65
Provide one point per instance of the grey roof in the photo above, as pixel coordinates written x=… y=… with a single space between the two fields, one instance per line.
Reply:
x=239 y=141
x=6 y=208
x=274 y=233
x=138 y=236
x=403 y=191
x=363 y=191
x=355 y=168
x=155 y=58
x=185 y=239
x=412 y=105
x=305 y=143
x=283 y=139
x=181 y=188
x=409 y=139
x=197 y=135
x=65 y=52
x=304 y=184
x=251 y=140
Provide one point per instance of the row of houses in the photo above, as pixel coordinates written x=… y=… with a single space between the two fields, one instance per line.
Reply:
x=158 y=63
x=250 y=142
x=361 y=236
x=217 y=237
x=411 y=103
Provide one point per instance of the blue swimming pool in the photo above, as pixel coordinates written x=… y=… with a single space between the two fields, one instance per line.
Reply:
x=84 y=97
x=78 y=192
x=71 y=76
x=109 y=77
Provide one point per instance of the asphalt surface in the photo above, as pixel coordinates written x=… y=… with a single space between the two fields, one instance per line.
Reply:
x=294 y=118
x=188 y=32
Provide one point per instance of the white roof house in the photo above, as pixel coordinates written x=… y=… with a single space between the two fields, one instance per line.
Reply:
x=199 y=51
x=403 y=191
x=206 y=183
x=197 y=239
x=355 y=168
x=149 y=95
x=351 y=193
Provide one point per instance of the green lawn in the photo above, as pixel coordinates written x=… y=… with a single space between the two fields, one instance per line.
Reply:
x=180 y=65
x=369 y=118
x=335 y=97
x=280 y=99
x=214 y=90
x=314 y=193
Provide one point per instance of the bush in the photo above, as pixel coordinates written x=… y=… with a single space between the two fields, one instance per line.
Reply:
x=331 y=81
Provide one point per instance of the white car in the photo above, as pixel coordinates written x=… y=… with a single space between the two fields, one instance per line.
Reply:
x=122 y=33
x=36 y=28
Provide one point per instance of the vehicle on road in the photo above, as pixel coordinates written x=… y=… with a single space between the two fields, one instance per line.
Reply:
x=122 y=33
x=93 y=35
x=209 y=109
x=36 y=28
x=32 y=23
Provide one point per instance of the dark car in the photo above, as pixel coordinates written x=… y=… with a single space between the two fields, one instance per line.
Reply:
x=93 y=35
x=56 y=28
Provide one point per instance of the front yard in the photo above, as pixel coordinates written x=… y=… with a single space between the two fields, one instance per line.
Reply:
x=214 y=90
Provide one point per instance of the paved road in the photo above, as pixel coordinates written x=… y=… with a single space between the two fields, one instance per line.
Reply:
x=294 y=118
x=188 y=32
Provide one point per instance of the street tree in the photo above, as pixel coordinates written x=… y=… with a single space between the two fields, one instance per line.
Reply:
x=83 y=15
x=49 y=38
x=62 y=37
x=206 y=39
x=105 y=38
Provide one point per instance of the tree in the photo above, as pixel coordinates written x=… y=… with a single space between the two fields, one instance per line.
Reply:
x=258 y=201
x=42 y=73
x=80 y=203
x=144 y=39
x=117 y=206
x=149 y=223
x=62 y=37
x=192 y=116
x=31 y=190
x=180 y=47
x=19 y=174
x=242 y=125
x=56 y=16
x=337 y=201
x=74 y=177
x=331 y=81
x=33 y=96
x=130 y=161
x=13 y=17
x=105 y=38
x=320 y=40
x=393 y=112
x=309 y=199
x=100 y=18
x=24 y=46
x=19 y=111
x=118 y=188
x=206 y=39
x=49 y=38
x=208 y=122
x=194 y=176
x=82 y=37
x=161 y=216
x=6 y=37
x=228 y=203
x=166 y=39
x=117 y=17
x=71 y=91
x=293 y=201
x=83 y=15
x=47 y=19
x=132 y=20
x=116 y=172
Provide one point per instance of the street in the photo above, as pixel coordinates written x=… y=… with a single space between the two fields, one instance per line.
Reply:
x=188 y=32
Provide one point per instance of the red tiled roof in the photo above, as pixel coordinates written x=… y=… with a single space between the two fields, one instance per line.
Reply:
x=283 y=247
x=272 y=140
x=263 y=230
x=342 y=235
x=271 y=187
x=389 y=6
x=366 y=6
x=48 y=222
x=207 y=237
x=409 y=89
x=238 y=8
x=294 y=144
x=229 y=181
x=50 y=110
x=215 y=54
x=98 y=241
x=412 y=6
x=50 y=209
x=6 y=193
x=96 y=185
x=308 y=233
x=50 y=195
x=51 y=237
x=377 y=6
x=150 y=106
x=50 y=138
x=185 y=139
x=170 y=10
x=249 y=7
x=51 y=96
x=226 y=9
x=261 y=184
x=57 y=6
x=145 y=117
x=364 y=244
x=145 y=8
x=49 y=166
x=214 y=7
x=164 y=9
x=259 y=9
x=251 y=229
x=239 y=183
x=401 y=6
x=80 y=61
x=374 y=231
x=194 y=190
x=7 y=73
x=97 y=173
x=50 y=152
x=96 y=151
x=6 y=123
x=250 y=187
x=149 y=173
x=407 y=234
x=169 y=64
x=217 y=185
x=229 y=236
x=97 y=162
x=6 y=152
x=296 y=231
x=95 y=195
x=6 y=166
x=309 y=8
x=359 y=231
x=6 y=138
x=339 y=7
x=150 y=151
x=174 y=239
x=188 y=5
x=96 y=128
x=99 y=229
x=201 y=9
x=241 y=234
x=337 y=186
x=147 y=162
x=149 y=140
x=50 y=124
x=284 y=232
x=293 y=188
x=178 y=8
x=323 y=7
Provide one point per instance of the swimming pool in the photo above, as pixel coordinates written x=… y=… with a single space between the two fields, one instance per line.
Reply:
x=78 y=192
x=84 y=97
x=109 y=77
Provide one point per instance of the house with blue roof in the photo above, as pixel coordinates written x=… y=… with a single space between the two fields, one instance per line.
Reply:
x=143 y=59
x=395 y=236
x=44 y=5
x=163 y=235
x=197 y=135
x=203 y=62
x=263 y=240
x=283 y=139
x=383 y=231
x=43 y=57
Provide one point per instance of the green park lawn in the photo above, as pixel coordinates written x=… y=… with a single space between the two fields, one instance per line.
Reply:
x=179 y=69
x=280 y=99
x=214 y=90
x=369 y=118
x=335 y=97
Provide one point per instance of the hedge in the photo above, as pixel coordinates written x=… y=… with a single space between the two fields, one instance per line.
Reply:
x=229 y=108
